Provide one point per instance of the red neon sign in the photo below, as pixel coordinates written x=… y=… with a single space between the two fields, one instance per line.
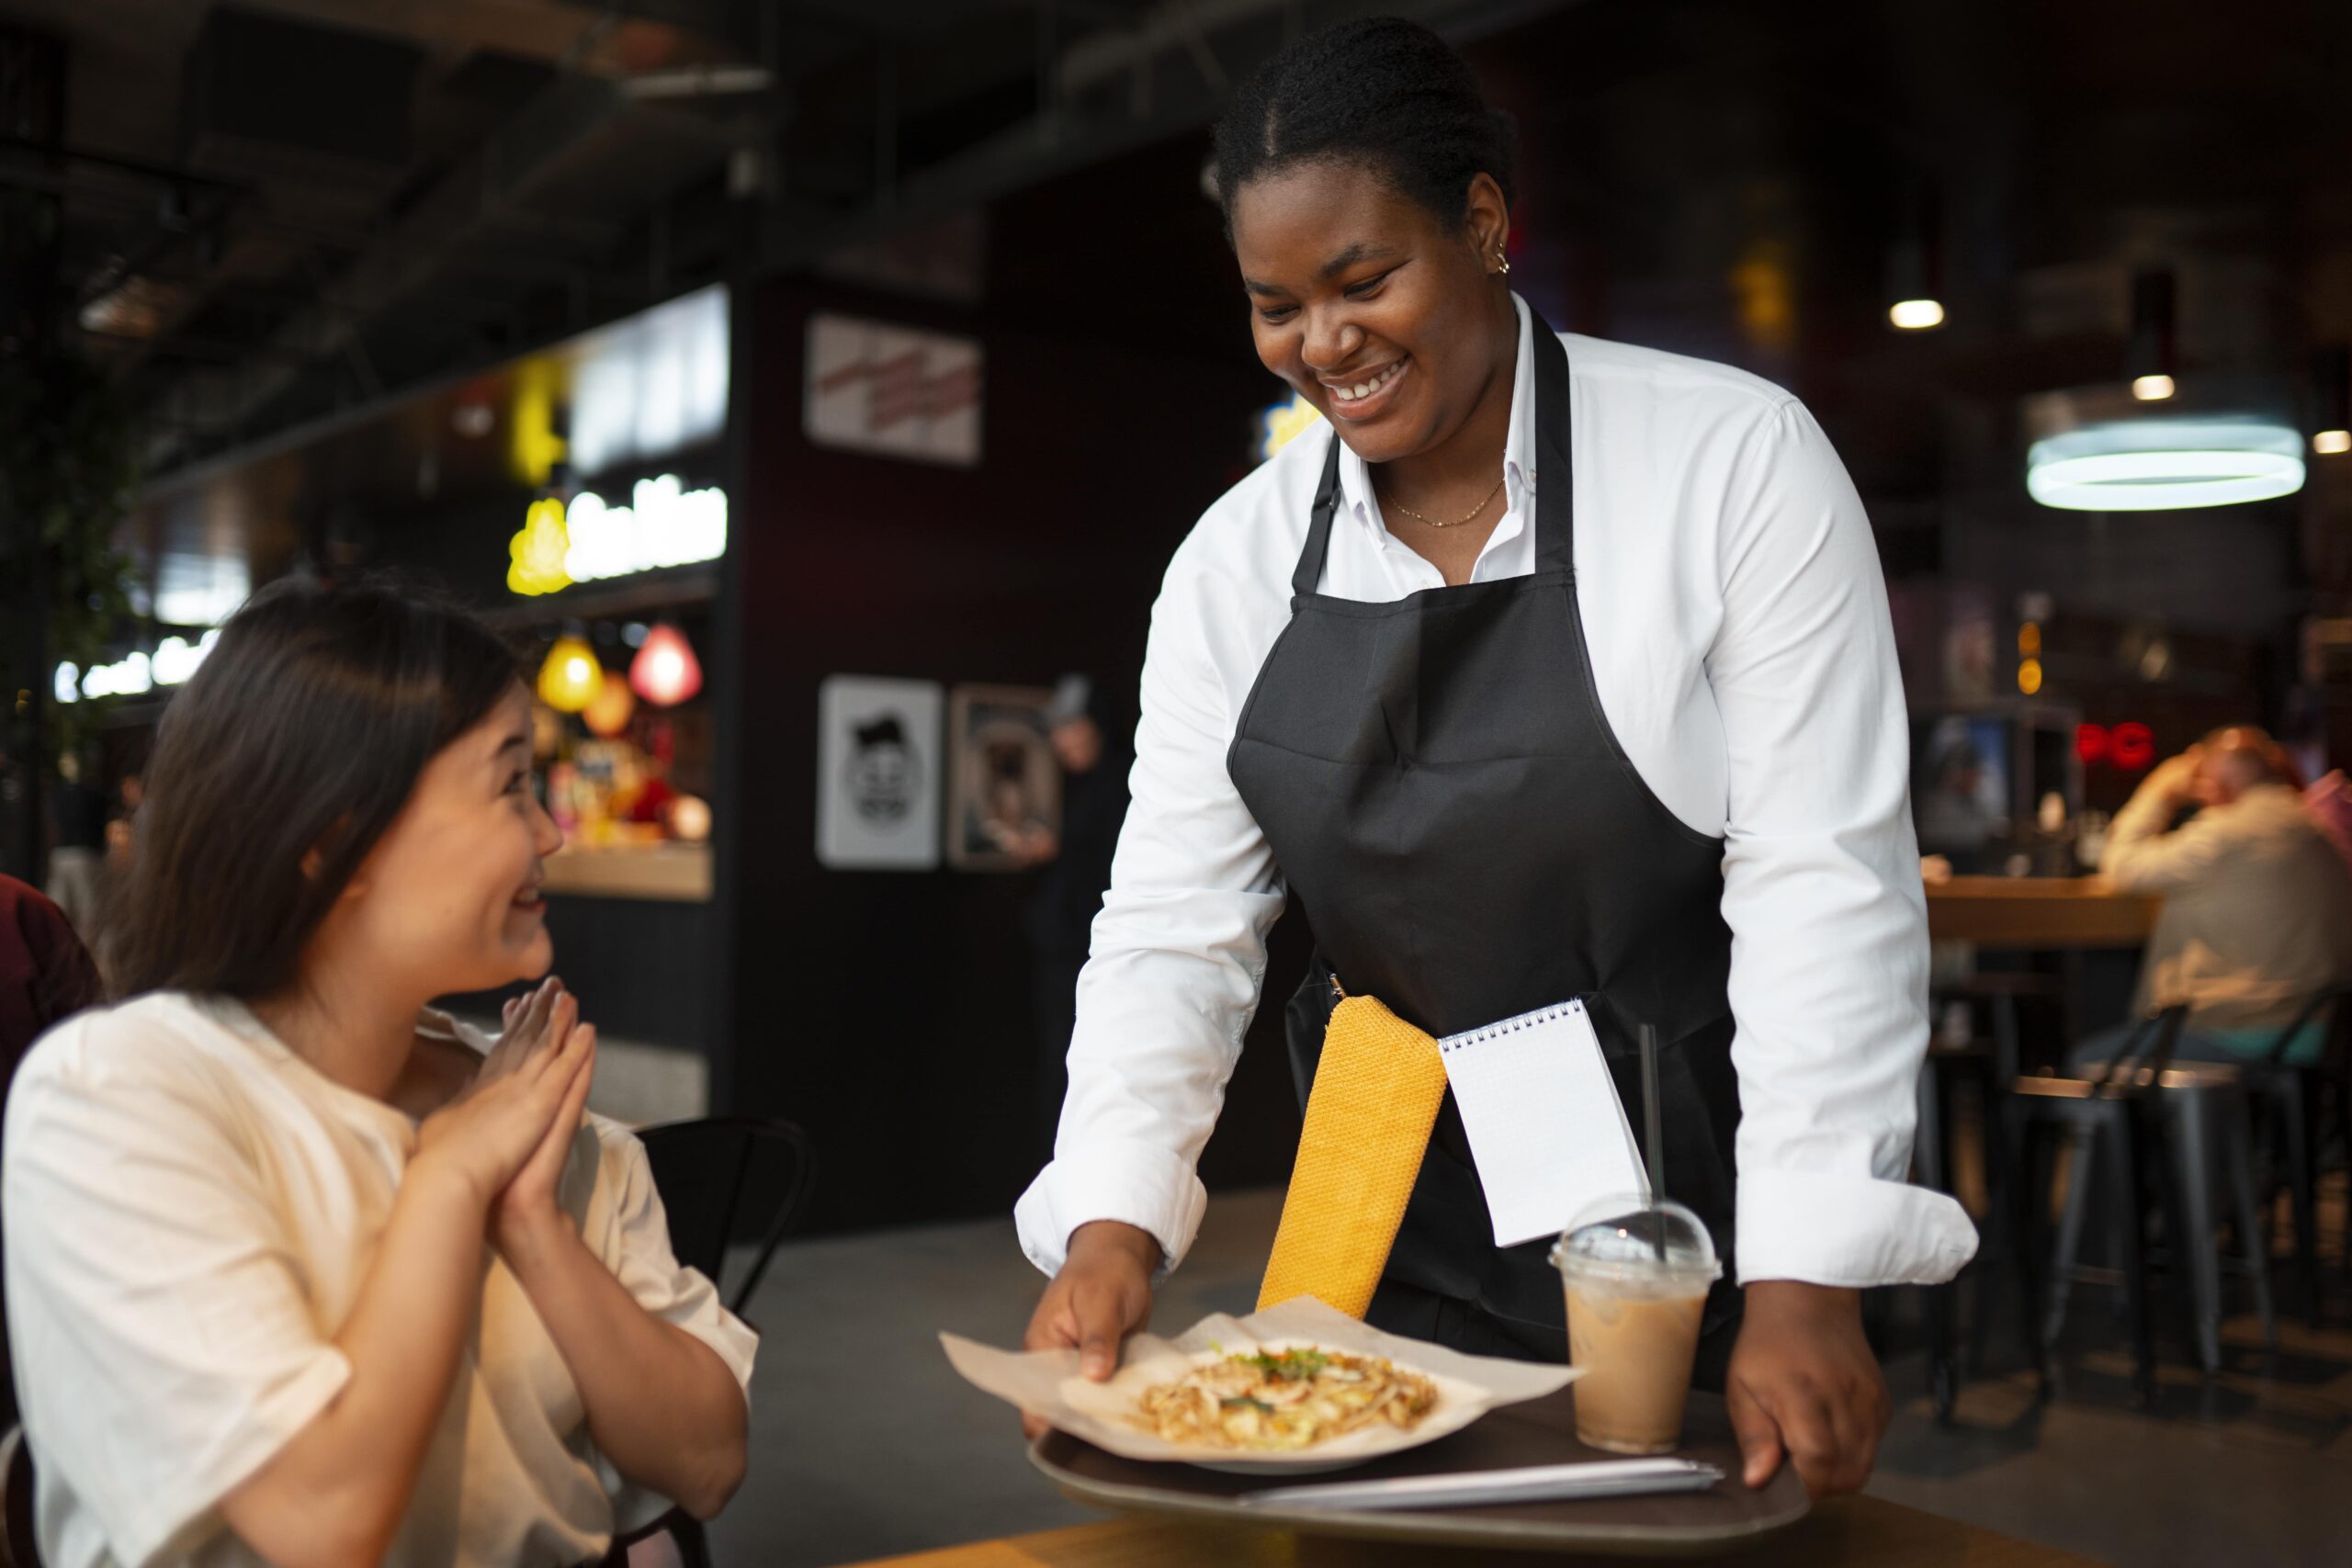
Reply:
x=2092 y=743
x=2131 y=746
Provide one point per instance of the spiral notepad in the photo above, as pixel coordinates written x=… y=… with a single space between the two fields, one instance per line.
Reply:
x=1545 y=1121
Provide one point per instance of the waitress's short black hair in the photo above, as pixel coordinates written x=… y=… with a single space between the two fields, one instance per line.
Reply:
x=1381 y=91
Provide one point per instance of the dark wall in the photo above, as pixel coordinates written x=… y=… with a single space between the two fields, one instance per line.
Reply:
x=645 y=969
x=890 y=1013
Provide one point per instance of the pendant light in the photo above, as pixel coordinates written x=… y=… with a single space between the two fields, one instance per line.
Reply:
x=571 y=678
x=665 y=672
x=609 y=714
x=2149 y=359
x=1915 y=289
x=2158 y=465
x=2332 y=395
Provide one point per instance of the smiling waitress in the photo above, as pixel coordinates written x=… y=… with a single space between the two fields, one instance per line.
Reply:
x=1549 y=668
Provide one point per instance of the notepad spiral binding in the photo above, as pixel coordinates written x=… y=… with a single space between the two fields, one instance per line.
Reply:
x=1573 y=1006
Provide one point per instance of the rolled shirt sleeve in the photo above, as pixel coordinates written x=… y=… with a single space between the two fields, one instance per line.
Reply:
x=1179 y=950
x=1821 y=882
x=164 y=1341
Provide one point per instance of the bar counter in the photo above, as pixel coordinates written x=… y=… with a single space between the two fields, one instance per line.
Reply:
x=669 y=873
x=2039 y=912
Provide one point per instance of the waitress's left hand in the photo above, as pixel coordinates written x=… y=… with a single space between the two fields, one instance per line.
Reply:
x=1803 y=1385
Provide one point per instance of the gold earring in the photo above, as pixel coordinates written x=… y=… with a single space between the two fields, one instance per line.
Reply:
x=1502 y=264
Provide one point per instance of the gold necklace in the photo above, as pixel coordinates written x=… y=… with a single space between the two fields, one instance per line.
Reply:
x=1433 y=522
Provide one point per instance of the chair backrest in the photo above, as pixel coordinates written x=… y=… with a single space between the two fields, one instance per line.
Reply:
x=730 y=1179
x=19 y=1547
x=2150 y=1050
x=2340 y=1020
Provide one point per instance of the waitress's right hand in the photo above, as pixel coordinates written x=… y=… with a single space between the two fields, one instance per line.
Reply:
x=487 y=1134
x=1101 y=1295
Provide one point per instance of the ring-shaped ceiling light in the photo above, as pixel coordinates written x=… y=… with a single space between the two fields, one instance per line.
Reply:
x=2161 y=465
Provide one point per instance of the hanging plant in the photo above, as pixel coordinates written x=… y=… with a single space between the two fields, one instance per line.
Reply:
x=69 y=471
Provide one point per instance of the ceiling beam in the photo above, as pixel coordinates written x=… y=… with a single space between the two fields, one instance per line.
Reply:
x=470 y=202
x=1189 y=63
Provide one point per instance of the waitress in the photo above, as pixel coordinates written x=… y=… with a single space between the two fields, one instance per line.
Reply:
x=1557 y=667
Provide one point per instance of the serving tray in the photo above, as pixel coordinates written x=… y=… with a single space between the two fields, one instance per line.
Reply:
x=1541 y=1431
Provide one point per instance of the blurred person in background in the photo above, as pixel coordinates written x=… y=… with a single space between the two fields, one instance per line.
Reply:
x=1088 y=744
x=2257 y=902
x=303 y=1272
x=77 y=857
x=46 y=976
x=1954 y=819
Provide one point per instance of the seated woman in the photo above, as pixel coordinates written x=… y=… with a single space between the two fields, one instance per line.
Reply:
x=297 y=1272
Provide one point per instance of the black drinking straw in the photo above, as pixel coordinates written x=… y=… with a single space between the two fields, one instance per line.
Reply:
x=1654 y=1141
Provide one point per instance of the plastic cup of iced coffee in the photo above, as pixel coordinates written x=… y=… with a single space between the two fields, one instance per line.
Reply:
x=1636 y=1274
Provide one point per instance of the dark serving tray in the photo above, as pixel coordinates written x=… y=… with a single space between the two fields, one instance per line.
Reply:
x=1541 y=1431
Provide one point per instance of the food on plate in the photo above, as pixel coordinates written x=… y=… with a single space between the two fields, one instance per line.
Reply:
x=1284 y=1400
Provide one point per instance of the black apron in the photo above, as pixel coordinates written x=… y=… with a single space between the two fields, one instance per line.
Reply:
x=1448 y=803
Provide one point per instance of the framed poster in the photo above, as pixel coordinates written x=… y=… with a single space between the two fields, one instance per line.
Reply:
x=1005 y=809
x=879 y=773
x=893 y=391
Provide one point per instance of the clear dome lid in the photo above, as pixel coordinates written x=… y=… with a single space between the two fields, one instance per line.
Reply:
x=1630 y=1242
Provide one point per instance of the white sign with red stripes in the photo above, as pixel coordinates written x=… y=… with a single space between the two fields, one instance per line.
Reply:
x=875 y=387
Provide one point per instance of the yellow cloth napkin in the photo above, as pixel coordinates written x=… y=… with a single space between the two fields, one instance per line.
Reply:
x=1377 y=1093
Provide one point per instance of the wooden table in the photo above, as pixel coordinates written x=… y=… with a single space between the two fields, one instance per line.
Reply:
x=1843 y=1530
x=2045 y=912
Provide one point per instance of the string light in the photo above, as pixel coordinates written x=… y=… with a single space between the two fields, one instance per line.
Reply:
x=571 y=678
x=665 y=672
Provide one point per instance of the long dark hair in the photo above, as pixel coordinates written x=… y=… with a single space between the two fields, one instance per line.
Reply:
x=302 y=732
x=1381 y=91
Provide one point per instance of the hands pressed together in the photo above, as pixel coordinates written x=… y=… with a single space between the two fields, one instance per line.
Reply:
x=508 y=1133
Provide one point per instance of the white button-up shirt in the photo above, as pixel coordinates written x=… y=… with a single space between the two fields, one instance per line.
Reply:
x=1738 y=629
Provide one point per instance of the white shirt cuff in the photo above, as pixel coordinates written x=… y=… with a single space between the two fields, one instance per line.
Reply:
x=1828 y=1229
x=1151 y=1188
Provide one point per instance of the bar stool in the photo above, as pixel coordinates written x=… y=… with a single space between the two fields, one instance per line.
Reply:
x=1946 y=1068
x=2099 y=1118
x=1991 y=1062
x=2292 y=1095
x=2201 y=1108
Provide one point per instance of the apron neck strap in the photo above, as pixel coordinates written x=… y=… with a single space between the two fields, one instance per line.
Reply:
x=1555 y=492
x=1308 y=574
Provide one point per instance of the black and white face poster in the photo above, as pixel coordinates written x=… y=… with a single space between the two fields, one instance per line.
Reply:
x=878 y=768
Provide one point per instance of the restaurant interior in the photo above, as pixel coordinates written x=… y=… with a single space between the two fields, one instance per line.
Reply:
x=811 y=391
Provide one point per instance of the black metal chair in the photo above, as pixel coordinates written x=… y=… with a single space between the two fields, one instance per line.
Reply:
x=2106 y=1136
x=723 y=1179
x=19 y=1547
x=708 y=1170
x=2295 y=1097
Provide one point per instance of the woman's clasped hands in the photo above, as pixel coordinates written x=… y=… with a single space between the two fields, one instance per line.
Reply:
x=507 y=1135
